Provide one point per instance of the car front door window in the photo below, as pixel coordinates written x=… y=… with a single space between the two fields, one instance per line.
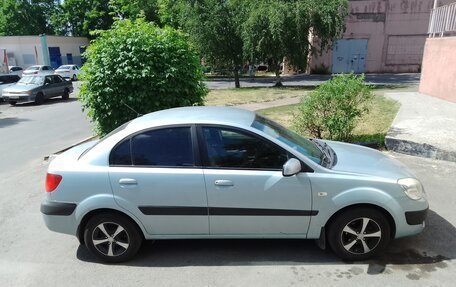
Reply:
x=228 y=148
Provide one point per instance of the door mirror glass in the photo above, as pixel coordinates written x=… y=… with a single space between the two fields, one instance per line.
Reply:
x=291 y=167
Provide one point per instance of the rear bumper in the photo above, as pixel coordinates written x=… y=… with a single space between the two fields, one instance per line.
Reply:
x=59 y=216
x=57 y=208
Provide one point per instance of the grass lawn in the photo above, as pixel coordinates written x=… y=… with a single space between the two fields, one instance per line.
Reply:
x=370 y=128
x=233 y=97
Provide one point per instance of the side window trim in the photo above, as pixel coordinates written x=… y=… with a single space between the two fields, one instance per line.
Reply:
x=195 y=150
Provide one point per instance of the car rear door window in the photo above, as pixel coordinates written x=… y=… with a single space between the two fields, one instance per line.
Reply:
x=228 y=148
x=121 y=154
x=169 y=147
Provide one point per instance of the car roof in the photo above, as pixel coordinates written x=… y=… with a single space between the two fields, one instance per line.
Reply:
x=195 y=115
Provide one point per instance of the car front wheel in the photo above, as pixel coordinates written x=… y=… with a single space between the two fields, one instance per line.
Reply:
x=112 y=237
x=359 y=234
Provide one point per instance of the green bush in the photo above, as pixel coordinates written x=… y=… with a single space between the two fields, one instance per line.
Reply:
x=331 y=110
x=140 y=65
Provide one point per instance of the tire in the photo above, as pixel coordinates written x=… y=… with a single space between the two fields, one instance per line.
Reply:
x=66 y=95
x=359 y=234
x=13 y=103
x=119 y=248
x=39 y=99
x=74 y=78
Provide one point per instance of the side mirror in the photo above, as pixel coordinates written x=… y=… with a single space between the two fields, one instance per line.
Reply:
x=291 y=167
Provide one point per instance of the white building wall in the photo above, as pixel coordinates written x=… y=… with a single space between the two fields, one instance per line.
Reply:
x=25 y=51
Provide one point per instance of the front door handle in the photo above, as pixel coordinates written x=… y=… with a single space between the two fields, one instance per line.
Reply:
x=128 y=181
x=223 y=182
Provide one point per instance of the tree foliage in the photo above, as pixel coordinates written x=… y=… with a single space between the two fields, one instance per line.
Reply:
x=133 y=9
x=81 y=17
x=138 y=65
x=331 y=111
x=214 y=27
x=276 y=29
x=23 y=17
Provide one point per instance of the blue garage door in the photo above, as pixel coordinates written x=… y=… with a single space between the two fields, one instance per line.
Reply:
x=349 y=55
x=55 y=57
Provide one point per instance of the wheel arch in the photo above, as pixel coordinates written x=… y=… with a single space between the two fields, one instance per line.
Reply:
x=85 y=219
x=388 y=215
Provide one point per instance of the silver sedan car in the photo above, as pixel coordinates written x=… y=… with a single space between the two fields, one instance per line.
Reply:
x=216 y=172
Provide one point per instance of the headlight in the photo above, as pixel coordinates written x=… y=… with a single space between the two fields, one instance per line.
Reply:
x=412 y=188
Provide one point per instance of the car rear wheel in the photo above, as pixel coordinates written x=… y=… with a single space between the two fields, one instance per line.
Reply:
x=359 y=234
x=13 y=103
x=74 y=78
x=66 y=95
x=112 y=237
x=39 y=99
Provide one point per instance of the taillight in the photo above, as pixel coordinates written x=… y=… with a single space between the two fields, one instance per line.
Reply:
x=52 y=181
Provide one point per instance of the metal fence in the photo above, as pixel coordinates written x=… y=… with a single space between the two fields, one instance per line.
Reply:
x=443 y=20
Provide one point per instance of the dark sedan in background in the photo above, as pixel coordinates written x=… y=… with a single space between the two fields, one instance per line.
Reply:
x=37 y=89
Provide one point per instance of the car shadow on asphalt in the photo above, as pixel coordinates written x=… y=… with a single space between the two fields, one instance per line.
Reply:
x=4 y=122
x=429 y=250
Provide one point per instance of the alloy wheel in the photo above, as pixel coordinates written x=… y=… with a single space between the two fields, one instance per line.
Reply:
x=361 y=235
x=110 y=239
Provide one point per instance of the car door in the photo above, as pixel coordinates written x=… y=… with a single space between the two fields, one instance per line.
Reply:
x=247 y=193
x=156 y=175
x=58 y=85
x=48 y=88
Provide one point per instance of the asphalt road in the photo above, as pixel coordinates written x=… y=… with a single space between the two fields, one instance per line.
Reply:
x=31 y=255
x=313 y=80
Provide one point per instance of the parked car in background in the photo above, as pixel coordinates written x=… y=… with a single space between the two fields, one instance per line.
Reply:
x=38 y=70
x=68 y=71
x=218 y=172
x=15 y=70
x=7 y=81
x=37 y=89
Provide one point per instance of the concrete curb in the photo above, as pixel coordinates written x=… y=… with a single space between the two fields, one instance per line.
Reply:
x=424 y=126
x=418 y=149
x=53 y=155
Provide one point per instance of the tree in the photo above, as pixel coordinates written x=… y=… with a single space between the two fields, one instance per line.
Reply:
x=138 y=66
x=214 y=26
x=22 y=17
x=276 y=29
x=80 y=17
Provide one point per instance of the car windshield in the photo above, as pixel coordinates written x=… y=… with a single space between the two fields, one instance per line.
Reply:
x=64 y=67
x=288 y=137
x=34 y=80
x=33 y=68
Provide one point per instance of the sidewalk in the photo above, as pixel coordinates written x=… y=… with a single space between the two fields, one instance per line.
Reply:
x=424 y=126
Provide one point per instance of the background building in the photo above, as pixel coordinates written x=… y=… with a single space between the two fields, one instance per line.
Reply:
x=25 y=51
x=381 y=36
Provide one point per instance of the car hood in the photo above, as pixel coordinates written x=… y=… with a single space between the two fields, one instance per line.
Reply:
x=20 y=88
x=362 y=160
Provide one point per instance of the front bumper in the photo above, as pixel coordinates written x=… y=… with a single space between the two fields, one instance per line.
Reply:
x=416 y=217
x=18 y=98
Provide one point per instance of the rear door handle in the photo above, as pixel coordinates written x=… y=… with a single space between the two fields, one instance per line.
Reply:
x=223 y=182
x=128 y=181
